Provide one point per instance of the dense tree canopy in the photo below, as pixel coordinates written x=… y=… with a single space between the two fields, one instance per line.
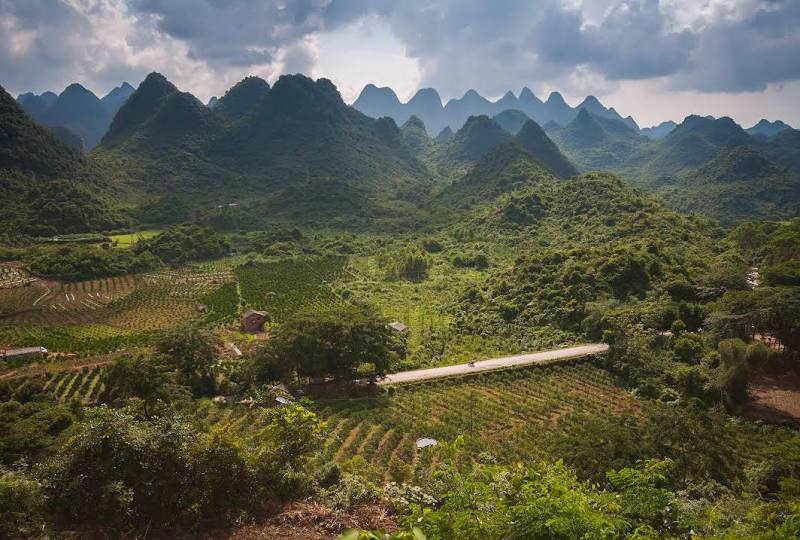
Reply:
x=342 y=345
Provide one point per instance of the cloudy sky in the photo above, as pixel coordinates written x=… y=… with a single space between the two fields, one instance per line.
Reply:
x=654 y=59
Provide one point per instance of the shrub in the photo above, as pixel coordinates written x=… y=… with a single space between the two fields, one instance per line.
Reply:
x=479 y=261
x=399 y=470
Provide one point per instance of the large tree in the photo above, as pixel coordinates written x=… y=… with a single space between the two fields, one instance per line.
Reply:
x=341 y=345
x=192 y=351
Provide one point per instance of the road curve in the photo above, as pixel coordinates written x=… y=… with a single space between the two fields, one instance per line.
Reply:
x=494 y=363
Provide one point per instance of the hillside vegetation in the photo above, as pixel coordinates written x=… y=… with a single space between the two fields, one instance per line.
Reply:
x=47 y=187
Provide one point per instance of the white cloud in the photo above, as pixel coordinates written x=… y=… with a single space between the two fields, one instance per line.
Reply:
x=576 y=46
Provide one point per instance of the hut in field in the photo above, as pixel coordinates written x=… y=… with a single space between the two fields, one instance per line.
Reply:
x=253 y=321
x=425 y=442
x=398 y=327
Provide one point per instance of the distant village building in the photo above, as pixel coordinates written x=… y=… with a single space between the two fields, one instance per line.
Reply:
x=398 y=327
x=24 y=352
x=253 y=321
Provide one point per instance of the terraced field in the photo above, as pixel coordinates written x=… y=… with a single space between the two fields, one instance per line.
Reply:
x=60 y=304
x=106 y=314
x=515 y=415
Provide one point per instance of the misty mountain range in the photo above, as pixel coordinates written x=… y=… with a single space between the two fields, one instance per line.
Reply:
x=80 y=118
x=76 y=112
x=427 y=106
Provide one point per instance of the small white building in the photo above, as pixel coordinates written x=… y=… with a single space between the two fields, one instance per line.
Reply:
x=23 y=352
x=398 y=327
x=426 y=442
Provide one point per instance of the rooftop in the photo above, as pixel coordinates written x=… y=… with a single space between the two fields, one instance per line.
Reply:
x=23 y=351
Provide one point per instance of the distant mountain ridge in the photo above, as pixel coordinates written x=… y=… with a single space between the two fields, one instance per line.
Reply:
x=768 y=129
x=293 y=150
x=77 y=109
x=427 y=105
x=659 y=131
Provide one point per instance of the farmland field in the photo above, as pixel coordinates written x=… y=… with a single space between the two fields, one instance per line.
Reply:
x=285 y=287
x=515 y=415
x=83 y=385
x=107 y=314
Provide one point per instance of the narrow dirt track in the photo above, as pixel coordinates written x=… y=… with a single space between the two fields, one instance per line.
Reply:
x=494 y=363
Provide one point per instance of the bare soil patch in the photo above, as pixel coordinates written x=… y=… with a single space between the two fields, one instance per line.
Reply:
x=775 y=397
x=310 y=521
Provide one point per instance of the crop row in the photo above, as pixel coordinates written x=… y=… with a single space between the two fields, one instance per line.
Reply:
x=507 y=413
x=82 y=385
x=286 y=287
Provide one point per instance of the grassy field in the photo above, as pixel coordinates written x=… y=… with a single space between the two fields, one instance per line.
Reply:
x=125 y=241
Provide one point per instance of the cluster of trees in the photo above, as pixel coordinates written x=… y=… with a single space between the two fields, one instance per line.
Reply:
x=81 y=262
x=118 y=469
x=75 y=262
x=343 y=345
x=409 y=262
x=558 y=287
x=184 y=243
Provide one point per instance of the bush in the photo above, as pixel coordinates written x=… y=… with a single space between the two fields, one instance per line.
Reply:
x=689 y=347
x=399 y=471
x=733 y=372
x=21 y=506
x=479 y=261
x=432 y=246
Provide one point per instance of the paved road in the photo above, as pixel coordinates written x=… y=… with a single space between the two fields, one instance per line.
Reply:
x=494 y=363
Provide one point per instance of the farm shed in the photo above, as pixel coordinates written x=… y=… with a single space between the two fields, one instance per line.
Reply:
x=425 y=442
x=398 y=327
x=25 y=352
x=253 y=321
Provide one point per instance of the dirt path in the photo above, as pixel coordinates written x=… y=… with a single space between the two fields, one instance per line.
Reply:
x=495 y=363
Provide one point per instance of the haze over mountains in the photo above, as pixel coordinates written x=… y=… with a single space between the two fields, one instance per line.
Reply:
x=77 y=109
x=427 y=105
x=296 y=151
